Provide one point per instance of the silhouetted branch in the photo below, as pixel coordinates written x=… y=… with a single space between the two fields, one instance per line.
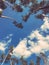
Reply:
x=44 y=58
x=38 y=60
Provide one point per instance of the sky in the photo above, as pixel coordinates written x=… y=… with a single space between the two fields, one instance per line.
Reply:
x=27 y=42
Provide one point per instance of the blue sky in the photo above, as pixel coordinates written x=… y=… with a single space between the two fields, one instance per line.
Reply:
x=35 y=33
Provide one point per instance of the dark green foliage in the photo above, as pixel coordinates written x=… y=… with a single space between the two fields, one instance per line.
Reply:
x=15 y=60
x=38 y=60
x=39 y=16
x=12 y=1
x=25 y=18
x=2 y=56
x=19 y=25
x=36 y=6
x=2 y=5
x=23 y=62
x=11 y=49
x=31 y=62
x=17 y=8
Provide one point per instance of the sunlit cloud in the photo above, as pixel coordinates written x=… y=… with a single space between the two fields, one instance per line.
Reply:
x=42 y=44
x=5 y=42
x=21 y=49
x=2 y=46
x=45 y=26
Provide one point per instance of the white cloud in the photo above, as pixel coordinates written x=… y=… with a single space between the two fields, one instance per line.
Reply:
x=45 y=26
x=40 y=47
x=5 y=42
x=2 y=46
x=36 y=34
x=21 y=49
x=42 y=44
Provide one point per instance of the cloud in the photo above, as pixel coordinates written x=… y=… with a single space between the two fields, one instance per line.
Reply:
x=21 y=49
x=42 y=44
x=35 y=34
x=5 y=42
x=45 y=26
x=2 y=46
